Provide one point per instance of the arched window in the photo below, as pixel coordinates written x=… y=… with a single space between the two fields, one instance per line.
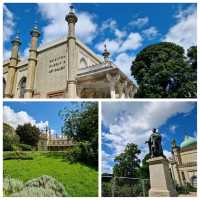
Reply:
x=22 y=87
x=4 y=86
x=83 y=63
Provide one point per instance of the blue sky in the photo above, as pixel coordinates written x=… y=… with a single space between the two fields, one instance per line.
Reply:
x=125 y=28
x=132 y=122
x=40 y=114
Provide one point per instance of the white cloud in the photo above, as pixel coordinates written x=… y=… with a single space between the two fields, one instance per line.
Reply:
x=111 y=25
x=6 y=54
x=139 y=22
x=150 y=33
x=112 y=46
x=8 y=24
x=57 y=26
x=168 y=154
x=124 y=61
x=184 y=32
x=173 y=128
x=132 y=122
x=133 y=42
x=20 y=118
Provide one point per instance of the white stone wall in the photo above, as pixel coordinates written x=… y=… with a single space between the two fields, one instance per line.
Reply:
x=51 y=70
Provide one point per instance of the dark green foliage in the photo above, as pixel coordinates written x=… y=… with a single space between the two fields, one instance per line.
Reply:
x=83 y=153
x=124 y=187
x=81 y=124
x=28 y=134
x=144 y=169
x=127 y=163
x=25 y=147
x=10 y=139
x=162 y=71
x=17 y=155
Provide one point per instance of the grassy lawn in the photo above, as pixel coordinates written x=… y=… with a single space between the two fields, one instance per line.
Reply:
x=79 y=180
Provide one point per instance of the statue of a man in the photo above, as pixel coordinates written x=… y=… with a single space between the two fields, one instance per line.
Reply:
x=154 y=143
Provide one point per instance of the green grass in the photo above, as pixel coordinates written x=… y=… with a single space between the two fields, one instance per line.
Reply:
x=78 y=180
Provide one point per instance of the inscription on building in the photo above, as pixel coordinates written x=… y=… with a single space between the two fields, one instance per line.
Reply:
x=57 y=64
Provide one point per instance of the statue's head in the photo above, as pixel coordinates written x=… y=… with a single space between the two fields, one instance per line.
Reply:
x=154 y=130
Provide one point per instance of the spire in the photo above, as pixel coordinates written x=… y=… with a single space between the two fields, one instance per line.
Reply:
x=71 y=17
x=35 y=31
x=16 y=40
x=106 y=53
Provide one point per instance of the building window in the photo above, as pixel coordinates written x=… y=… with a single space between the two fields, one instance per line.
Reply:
x=83 y=63
x=4 y=86
x=22 y=87
x=194 y=181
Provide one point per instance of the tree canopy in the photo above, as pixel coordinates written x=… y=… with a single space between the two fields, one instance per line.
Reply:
x=29 y=134
x=163 y=71
x=127 y=163
x=81 y=124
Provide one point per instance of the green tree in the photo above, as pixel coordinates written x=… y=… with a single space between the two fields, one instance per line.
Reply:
x=162 y=71
x=144 y=169
x=81 y=124
x=10 y=139
x=127 y=163
x=29 y=134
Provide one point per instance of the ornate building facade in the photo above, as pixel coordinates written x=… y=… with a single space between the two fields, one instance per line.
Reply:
x=183 y=164
x=63 y=69
x=49 y=142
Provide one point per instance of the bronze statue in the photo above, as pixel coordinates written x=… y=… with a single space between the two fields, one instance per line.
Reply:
x=154 y=143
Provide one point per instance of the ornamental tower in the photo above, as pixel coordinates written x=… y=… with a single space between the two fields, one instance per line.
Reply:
x=71 y=19
x=32 y=62
x=14 y=59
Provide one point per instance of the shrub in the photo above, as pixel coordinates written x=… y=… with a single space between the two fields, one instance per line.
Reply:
x=25 y=147
x=34 y=192
x=43 y=186
x=11 y=185
x=9 y=138
x=49 y=183
x=16 y=155
x=83 y=153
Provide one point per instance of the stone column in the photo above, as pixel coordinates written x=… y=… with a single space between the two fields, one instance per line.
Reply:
x=121 y=90
x=71 y=18
x=12 y=67
x=160 y=178
x=112 y=83
x=127 y=90
x=32 y=62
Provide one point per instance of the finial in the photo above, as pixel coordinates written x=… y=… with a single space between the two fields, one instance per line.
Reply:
x=106 y=53
x=17 y=40
x=35 y=27
x=71 y=8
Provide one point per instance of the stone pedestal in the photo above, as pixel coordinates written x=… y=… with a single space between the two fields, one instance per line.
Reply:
x=160 y=178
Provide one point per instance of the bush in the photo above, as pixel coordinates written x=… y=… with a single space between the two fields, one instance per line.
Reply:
x=82 y=153
x=9 y=140
x=11 y=185
x=16 y=155
x=34 y=192
x=43 y=186
x=47 y=182
x=25 y=147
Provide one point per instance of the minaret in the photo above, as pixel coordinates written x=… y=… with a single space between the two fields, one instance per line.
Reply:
x=71 y=19
x=32 y=62
x=106 y=54
x=12 y=67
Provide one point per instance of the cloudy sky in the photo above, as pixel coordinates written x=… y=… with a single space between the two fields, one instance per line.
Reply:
x=41 y=114
x=132 y=122
x=125 y=28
